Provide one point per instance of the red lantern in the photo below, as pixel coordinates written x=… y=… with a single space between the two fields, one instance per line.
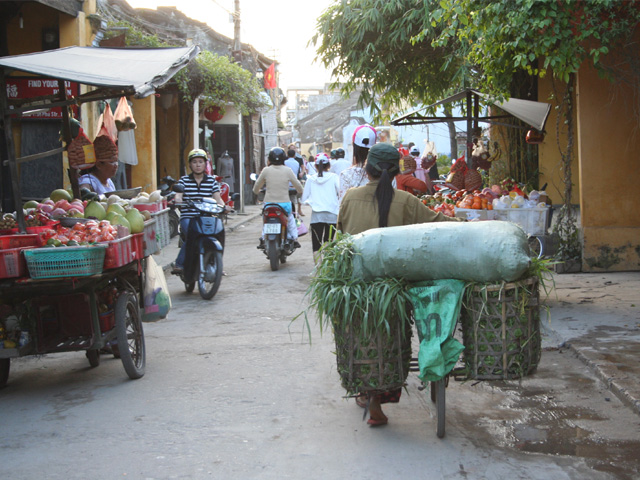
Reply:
x=213 y=114
x=534 y=137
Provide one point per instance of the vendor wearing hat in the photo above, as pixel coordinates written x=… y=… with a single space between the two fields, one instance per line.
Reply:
x=378 y=204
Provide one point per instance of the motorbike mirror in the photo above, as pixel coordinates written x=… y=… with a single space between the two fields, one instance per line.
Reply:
x=253 y=177
x=235 y=197
x=178 y=188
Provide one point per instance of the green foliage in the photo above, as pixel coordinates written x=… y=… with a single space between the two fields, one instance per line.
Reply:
x=134 y=36
x=416 y=50
x=368 y=45
x=219 y=82
x=500 y=37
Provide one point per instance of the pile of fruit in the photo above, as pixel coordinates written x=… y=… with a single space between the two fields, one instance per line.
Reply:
x=82 y=233
x=447 y=201
x=97 y=220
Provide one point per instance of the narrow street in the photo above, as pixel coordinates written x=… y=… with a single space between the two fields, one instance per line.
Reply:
x=234 y=390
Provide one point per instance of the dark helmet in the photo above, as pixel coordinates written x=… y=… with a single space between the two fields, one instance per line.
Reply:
x=340 y=153
x=333 y=153
x=197 y=152
x=277 y=155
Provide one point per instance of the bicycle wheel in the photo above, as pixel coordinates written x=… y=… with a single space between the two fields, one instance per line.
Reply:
x=440 y=406
x=536 y=248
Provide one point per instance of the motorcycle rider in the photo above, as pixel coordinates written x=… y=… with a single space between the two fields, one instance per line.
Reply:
x=197 y=185
x=276 y=177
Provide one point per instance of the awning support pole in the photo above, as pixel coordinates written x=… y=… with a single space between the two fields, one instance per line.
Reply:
x=11 y=153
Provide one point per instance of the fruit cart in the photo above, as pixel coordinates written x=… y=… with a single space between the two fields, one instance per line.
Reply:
x=85 y=298
x=75 y=299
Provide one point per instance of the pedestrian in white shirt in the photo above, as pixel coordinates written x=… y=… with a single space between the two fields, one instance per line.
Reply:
x=321 y=193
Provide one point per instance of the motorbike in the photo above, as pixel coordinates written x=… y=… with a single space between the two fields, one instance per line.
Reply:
x=204 y=249
x=229 y=200
x=166 y=190
x=274 y=242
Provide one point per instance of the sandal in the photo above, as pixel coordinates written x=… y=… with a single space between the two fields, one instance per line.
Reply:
x=361 y=401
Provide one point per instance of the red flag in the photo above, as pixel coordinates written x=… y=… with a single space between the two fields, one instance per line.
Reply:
x=270 y=77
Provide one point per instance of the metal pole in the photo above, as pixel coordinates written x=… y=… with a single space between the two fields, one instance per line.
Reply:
x=469 y=129
x=196 y=123
x=241 y=161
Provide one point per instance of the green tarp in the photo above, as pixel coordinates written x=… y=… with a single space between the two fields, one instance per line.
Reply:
x=436 y=305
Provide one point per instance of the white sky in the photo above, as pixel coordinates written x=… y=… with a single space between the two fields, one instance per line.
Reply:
x=279 y=29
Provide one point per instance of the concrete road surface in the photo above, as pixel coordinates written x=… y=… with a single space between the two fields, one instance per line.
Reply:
x=234 y=390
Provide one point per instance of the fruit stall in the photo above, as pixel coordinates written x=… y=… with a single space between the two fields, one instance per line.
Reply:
x=74 y=267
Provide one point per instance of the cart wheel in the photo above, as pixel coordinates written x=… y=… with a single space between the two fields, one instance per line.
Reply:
x=5 y=363
x=189 y=286
x=130 y=335
x=94 y=357
x=440 y=405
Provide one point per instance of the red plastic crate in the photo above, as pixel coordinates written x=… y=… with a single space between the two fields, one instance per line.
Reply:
x=12 y=263
x=15 y=241
x=124 y=250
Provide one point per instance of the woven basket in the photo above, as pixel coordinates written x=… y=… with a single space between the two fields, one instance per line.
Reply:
x=378 y=364
x=501 y=330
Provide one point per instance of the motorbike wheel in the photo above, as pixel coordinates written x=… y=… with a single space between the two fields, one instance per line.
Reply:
x=174 y=222
x=283 y=257
x=209 y=280
x=189 y=286
x=272 y=253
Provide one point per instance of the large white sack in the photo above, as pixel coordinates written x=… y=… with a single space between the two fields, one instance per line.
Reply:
x=489 y=251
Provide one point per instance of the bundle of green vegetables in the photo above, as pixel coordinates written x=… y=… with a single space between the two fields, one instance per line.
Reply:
x=371 y=321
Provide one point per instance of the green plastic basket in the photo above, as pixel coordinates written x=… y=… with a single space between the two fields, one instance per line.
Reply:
x=65 y=261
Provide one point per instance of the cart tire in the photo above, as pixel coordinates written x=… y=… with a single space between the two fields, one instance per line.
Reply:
x=5 y=364
x=272 y=250
x=440 y=406
x=189 y=286
x=213 y=264
x=94 y=357
x=130 y=335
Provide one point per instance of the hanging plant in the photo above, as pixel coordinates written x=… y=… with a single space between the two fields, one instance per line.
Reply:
x=218 y=82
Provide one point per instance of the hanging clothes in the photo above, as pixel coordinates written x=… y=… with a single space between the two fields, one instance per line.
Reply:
x=226 y=170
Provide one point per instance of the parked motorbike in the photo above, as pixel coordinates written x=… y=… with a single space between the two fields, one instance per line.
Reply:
x=166 y=190
x=204 y=249
x=229 y=200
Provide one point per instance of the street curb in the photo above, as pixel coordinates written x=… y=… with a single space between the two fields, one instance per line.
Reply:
x=622 y=393
x=611 y=383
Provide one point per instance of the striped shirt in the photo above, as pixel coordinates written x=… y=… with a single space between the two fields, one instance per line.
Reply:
x=192 y=191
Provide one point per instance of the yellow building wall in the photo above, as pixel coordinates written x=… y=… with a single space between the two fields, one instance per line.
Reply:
x=608 y=146
x=549 y=154
x=144 y=174
x=168 y=140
